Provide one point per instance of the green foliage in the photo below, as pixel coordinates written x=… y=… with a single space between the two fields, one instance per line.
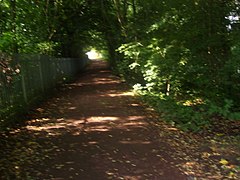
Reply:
x=186 y=50
x=47 y=47
x=46 y=27
x=184 y=117
x=6 y=41
x=130 y=67
x=225 y=110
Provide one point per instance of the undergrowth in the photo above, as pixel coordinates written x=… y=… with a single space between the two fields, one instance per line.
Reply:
x=193 y=117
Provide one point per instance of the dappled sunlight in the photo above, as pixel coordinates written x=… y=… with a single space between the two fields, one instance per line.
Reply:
x=104 y=81
x=93 y=142
x=135 y=105
x=104 y=71
x=96 y=129
x=55 y=126
x=76 y=85
x=106 y=136
x=134 y=118
x=132 y=125
x=45 y=128
x=135 y=142
x=132 y=177
x=72 y=108
x=95 y=82
x=102 y=118
x=129 y=93
x=88 y=124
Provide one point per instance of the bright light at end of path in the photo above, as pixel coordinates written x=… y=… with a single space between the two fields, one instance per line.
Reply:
x=93 y=54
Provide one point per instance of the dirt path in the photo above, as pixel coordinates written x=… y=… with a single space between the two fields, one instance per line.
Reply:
x=94 y=129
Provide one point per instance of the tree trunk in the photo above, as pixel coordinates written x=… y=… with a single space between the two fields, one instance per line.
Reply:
x=120 y=16
x=14 y=25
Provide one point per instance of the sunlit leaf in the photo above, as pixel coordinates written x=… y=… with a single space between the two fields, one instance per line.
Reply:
x=223 y=161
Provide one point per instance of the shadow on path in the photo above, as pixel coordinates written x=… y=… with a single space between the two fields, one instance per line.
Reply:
x=95 y=129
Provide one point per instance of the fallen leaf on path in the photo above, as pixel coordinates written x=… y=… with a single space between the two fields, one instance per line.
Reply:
x=223 y=162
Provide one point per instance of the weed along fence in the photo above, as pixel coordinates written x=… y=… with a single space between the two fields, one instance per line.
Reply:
x=25 y=79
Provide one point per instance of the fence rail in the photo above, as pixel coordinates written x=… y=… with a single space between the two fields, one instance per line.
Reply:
x=27 y=78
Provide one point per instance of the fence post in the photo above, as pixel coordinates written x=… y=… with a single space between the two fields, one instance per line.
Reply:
x=24 y=88
x=40 y=71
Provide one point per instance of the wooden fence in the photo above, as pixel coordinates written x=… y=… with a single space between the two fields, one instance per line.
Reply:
x=27 y=78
